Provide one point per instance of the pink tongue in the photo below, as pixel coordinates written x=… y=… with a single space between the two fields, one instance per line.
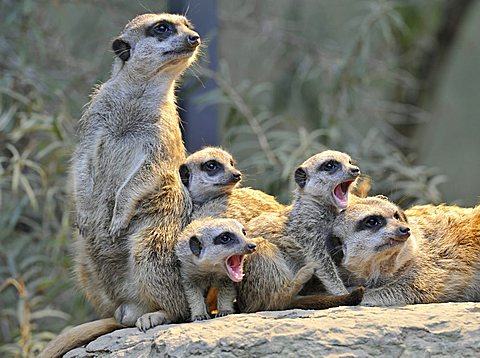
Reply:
x=341 y=195
x=235 y=268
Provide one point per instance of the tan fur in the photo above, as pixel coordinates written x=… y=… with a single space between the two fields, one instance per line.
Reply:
x=441 y=266
x=300 y=231
x=219 y=195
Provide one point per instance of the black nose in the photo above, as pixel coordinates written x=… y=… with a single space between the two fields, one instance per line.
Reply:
x=355 y=171
x=403 y=231
x=251 y=247
x=193 y=40
x=237 y=176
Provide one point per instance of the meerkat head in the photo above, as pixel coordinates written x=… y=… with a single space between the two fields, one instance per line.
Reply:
x=374 y=236
x=154 y=43
x=327 y=177
x=215 y=246
x=209 y=173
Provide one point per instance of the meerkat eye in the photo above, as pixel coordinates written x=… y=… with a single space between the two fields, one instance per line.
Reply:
x=232 y=163
x=396 y=216
x=329 y=166
x=211 y=165
x=244 y=232
x=372 y=222
x=161 y=28
x=350 y=162
x=225 y=238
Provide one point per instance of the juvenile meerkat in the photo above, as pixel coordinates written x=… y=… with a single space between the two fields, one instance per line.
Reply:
x=125 y=170
x=212 y=180
x=323 y=184
x=211 y=254
x=399 y=265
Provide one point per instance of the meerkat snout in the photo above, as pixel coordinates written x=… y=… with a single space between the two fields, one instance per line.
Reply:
x=251 y=248
x=192 y=40
x=402 y=233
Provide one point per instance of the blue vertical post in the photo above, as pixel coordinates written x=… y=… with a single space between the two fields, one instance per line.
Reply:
x=200 y=123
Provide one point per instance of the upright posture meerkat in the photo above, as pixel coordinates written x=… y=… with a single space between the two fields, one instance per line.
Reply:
x=212 y=180
x=399 y=265
x=211 y=254
x=125 y=167
x=323 y=184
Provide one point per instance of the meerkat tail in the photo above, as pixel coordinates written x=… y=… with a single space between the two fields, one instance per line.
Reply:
x=79 y=335
x=320 y=302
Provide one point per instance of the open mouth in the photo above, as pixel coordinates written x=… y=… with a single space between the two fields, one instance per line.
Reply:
x=340 y=193
x=390 y=243
x=234 y=266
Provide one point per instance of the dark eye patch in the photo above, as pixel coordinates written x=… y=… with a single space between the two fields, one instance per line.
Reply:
x=161 y=30
x=211 y=167
x=225 y=238
x=330 y=166
x=372 y=222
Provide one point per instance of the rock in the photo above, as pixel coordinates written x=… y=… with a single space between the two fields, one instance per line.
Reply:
x=446 y=329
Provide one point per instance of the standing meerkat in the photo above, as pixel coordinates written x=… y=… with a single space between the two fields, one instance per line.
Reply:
x=323 y=184
x=399 y=265
x=212 y=180
x=211 y=254
x=130 y=203
x=125 y=167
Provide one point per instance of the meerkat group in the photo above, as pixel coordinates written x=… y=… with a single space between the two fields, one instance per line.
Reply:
x=158 y=229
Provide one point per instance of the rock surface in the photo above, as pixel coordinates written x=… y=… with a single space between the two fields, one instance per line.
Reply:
x=448 y=329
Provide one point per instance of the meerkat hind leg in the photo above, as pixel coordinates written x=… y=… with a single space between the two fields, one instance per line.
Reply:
x=152 y=319
x=127 y=314
x=226 y=293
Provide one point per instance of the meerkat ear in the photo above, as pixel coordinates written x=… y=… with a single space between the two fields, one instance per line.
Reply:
x=383 y=197
x=121 y=49
x=195 y=245
x=334 y=248
x=300 y=177
x=184 y=175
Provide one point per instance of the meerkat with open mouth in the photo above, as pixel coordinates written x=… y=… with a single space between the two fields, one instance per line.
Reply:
x=398 y=265
x=323 y=185
x=211 y=253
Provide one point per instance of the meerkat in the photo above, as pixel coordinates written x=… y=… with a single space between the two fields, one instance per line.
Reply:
x=212 y=180
x=211 y=254
x=398 y=265
x=300 y=231
x=125 y=168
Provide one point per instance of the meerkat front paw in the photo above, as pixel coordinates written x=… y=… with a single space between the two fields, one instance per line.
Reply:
x=117 y=225
x=202 y=317
x=223 y=314
x=150 y=320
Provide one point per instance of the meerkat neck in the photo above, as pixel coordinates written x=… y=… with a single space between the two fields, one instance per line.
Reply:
x=312 y=208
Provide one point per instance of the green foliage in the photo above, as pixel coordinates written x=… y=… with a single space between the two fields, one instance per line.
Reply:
x=334 y=96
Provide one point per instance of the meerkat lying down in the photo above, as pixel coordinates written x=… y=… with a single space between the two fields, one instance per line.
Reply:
x=399 y=265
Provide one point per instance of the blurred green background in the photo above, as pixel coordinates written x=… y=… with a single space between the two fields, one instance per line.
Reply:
x=393 y=83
